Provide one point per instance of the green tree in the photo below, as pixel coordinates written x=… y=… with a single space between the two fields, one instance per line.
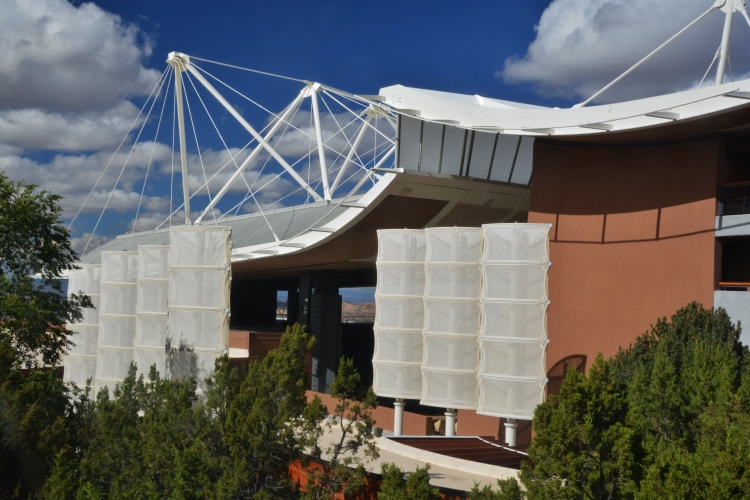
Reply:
x=264 y=429
x=583 y=447
x=668 y=417
x=352 y=424
x=508 y=489
x=416 y=486
x=34 y=253
x=39 y=415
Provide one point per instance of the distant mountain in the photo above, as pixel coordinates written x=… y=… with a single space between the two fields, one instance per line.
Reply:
x=363 y=312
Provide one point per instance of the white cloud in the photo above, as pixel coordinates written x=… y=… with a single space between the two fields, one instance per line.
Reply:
x=88 y=241
x=75 y=176
x=58 y=57
x=33 y=128
x=581 y=45
x=66 y=74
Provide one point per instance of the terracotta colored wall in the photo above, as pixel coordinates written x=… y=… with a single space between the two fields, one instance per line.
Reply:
x=632 y=238
x=414 y=424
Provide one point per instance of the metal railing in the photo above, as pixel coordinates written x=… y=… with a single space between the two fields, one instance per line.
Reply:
x=734 y=286
x=734 y=199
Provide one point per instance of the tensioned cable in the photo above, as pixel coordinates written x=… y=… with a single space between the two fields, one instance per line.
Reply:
x=201 y=187
x=171 y=181
x=135 y=120
x=252 y=193
x=358 y=116
x=150 y=159
x=287 y=124
x=271 y=112
x=315 y=183
x=309 y=155
x=360 y=163
x=198 y=147
x=351 y=145
x=716 y=56
x=132 y=148
x=232 y=158
x=248 y=69
x=501 y=446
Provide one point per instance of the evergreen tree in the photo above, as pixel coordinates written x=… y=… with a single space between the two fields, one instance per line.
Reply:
x=264 y=426
x=508 y=489
x=352 y=422
x=668 y=417
x=416 y=486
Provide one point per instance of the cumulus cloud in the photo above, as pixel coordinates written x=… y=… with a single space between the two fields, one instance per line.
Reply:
x=581 y=45
x=88 y=241
x=58 y=57
x=72 y=80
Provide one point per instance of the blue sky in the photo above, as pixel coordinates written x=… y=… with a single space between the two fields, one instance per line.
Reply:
x=357 y=46
x=73 y=75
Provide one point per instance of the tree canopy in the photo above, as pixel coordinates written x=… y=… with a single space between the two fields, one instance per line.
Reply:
x=34 y=253
x=669 y=417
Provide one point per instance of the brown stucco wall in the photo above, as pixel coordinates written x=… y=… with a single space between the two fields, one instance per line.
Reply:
x=632 y=238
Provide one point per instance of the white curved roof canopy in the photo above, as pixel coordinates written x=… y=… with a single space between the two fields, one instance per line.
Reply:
x=479 y=113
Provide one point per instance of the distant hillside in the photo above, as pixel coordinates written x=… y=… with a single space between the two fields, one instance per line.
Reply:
x=363 y=312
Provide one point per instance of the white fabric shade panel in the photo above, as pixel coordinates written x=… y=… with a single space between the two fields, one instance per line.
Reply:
x=399 y=313
x=199 y=288
x=194 y=329
x=162 y=305
x=453 y=245
x=401 y=279
x=151 y=308
x=150 y=332
x=396 y=246
x=199 y=246
x=397 y=380
x=119 y=267
x=79 y=369
x=513 y=337
x=118 y=299
x=115 y=348
x=450 y=356
x=80 y=362
x=517 y=320
x=87 y=279
x=482 y=314
x=198 y=304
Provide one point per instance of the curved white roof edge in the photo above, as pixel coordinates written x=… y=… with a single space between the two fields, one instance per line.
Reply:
x=478 y=113
x=315 y=236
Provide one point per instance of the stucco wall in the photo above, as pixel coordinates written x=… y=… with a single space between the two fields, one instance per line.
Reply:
x=737 y=305
x=632 y=238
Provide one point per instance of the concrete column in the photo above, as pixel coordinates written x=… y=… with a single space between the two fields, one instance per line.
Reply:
x=450 y=422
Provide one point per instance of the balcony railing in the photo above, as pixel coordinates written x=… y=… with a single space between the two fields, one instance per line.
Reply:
x=734 y=199
x=734 y=286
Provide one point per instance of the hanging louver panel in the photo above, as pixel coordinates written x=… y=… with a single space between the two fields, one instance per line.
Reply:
x=399 y=314
x=198 y=309
x=151 y=308
x=115 y=347
x=513 y=337
x=80 y=363
x=452 y=310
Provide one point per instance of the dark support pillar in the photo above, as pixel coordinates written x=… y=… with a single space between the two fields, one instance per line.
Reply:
x=325 y=323
x=303 y=299
x=253 y=304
